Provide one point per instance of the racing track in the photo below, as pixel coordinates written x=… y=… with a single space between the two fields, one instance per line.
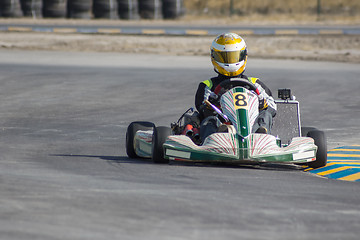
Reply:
x=64 y=173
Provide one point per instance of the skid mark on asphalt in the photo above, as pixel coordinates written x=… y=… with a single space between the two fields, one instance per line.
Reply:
x=343 y=164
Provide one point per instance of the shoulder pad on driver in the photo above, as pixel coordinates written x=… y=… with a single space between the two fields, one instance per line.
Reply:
x=253 y=80
x=208 y=83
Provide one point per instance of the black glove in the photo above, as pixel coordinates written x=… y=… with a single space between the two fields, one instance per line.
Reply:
x=263 y=104
x=213 y=98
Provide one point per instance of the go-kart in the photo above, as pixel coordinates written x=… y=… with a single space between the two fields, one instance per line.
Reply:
x=234 y=142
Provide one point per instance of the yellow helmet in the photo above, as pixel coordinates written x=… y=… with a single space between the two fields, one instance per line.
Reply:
x=229 y=54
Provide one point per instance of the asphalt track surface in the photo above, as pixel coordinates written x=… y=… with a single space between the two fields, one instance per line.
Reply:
x=64 y=173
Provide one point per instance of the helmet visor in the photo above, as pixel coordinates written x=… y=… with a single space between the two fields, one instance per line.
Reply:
x=229 y=57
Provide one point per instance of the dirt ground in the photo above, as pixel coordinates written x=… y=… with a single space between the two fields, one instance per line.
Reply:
x=344 y=48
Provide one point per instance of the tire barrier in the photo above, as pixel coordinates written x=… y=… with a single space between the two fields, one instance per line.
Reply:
x=105 y=9
x=149 y=9
x=172 y=9
x=54 y=8
x=87 y=9
x=31 y=8
x=10 y=8
x=79 y=9
x=127 y=9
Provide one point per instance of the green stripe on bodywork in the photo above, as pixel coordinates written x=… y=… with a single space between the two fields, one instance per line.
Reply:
x=242 y=117
x=243 y=129
x=205 y=156
x=199 y=155
x=276 y=158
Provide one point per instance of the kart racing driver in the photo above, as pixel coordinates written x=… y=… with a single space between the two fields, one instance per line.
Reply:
x=229 y=57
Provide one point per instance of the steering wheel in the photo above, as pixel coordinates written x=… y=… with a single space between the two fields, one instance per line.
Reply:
x=231 y=83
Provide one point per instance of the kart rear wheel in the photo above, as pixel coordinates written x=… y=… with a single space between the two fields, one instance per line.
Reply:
x=320 y=142
x=159 y=137
x=130 y=136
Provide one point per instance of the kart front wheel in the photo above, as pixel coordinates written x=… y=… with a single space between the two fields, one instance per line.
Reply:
x=130 y=136
x=320 y=142
x=159 y=137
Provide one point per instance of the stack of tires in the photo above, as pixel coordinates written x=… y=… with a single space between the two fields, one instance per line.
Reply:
x=79 y=9
x=105 y=9
x=31 y=8
x=127 y=9
x=54 y=8
x=10 y=8
x=172 y=9
x=87 y=9
x=149 y=9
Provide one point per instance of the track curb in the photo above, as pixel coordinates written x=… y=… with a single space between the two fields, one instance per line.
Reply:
x=178 y=31
x=343 y=164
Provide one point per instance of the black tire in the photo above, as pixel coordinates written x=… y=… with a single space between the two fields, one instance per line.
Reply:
x=54 y=9
x=306 y=130
x=127 y=9
x=320 y=142
x=10 y=8
x=130 y=135
x=171 y=9
x=159 y=137
x=31 y=8
x=149 y=9
x=80 y=9
x=105 y=9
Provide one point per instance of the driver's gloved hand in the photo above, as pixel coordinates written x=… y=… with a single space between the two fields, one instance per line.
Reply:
x=263 y=104
x=213 y=96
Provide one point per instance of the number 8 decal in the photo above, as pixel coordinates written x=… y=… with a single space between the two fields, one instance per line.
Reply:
x=240 y=100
